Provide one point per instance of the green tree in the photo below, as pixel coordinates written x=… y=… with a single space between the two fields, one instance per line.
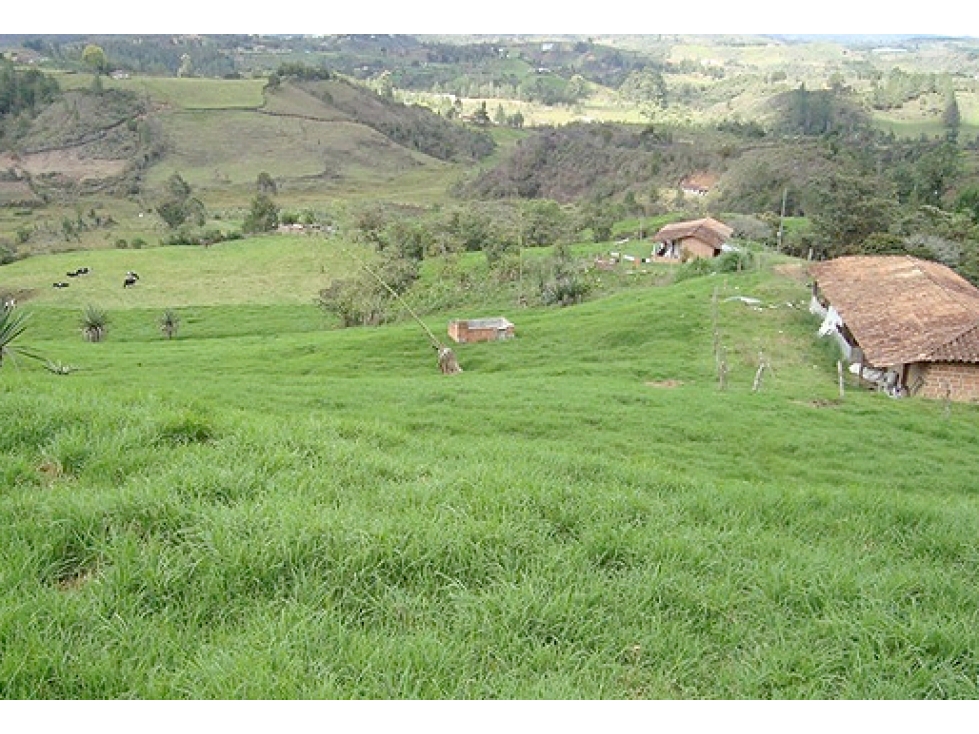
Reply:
x=186 y=66
x=951 y=117
x=600 y=217
x=577 y=87
x=646 y=86
x=968 y=202
x=845 y=209
x=363 y=300
x=179 y=205
x=385 y=85
x=94 y=57
x=263 y=216
x=481 y=116
x=544 y=222
x=266 y=184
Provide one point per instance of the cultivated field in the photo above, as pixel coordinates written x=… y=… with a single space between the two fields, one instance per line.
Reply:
x=265 y=507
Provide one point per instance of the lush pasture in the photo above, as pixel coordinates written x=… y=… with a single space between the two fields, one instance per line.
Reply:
x=263 y=507
x=265 y=270
x=197 y=93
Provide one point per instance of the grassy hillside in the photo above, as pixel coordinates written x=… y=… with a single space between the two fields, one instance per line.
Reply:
x=265 y=508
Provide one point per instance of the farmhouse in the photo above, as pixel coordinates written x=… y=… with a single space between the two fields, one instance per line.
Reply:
x=480 y=330
x=908 y=325
x=698 y=184
x=695 y=238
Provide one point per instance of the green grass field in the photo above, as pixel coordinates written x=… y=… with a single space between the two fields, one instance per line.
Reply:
x=183 y=93
x=264 y=507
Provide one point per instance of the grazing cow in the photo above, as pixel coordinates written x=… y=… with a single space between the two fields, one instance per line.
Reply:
x=59 y=284
x=82 y=271
x=71 y=273
x=130 y=280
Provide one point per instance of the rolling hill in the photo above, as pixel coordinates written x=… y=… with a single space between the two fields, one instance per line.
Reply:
x=266 y=508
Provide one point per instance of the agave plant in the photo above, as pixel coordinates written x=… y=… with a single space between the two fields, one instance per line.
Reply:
x=13 y=323
x=169 y=323
x=94 y=324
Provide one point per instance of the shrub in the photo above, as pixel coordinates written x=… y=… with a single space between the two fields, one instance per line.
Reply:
x=169 y=323
x=733 y=262
x=13 y=323
x=694 y=268
x=7 y=255
x=94 y=323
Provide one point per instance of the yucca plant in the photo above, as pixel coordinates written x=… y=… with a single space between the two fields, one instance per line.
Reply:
x=13 y=323
x=169 y=323
x=94 y=324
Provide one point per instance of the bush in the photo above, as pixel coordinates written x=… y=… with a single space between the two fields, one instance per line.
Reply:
x=694 y=268
x=94 y=324
x=7 y=255
x=733 y=262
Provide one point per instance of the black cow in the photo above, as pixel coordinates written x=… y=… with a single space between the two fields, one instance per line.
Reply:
x=130 y=279
x=60 y=284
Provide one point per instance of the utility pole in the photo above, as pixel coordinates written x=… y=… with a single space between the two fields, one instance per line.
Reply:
x=781 y=221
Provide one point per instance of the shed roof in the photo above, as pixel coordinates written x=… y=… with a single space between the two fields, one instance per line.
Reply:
x=903 y=310
x=496 y=322
x=706 y=230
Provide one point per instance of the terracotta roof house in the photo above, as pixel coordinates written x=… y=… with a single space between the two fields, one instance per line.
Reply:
x=698 y=184
x=913 y=323
x=694 y=238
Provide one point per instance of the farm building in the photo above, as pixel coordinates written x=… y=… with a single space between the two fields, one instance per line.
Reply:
x=911 y=326
x=480 y=330
x=696 y=238
x=698 y=184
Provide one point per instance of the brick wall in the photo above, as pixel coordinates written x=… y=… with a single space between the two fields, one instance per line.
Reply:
x=958 y=381
x=462 y=332
x=697 y=248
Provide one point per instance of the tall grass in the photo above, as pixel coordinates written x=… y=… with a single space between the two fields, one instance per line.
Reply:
x=270 y=513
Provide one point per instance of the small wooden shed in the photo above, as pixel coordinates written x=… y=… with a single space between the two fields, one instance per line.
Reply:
x=464 y=331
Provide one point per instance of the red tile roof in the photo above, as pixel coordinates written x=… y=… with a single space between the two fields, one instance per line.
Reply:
x=903 y=310
x=706 y=230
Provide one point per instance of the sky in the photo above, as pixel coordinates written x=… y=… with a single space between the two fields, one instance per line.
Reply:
x=490 y=17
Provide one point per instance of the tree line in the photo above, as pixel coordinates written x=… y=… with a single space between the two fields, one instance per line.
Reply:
x=23 y=93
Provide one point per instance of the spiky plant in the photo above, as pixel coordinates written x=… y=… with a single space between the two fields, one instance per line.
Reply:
x=13 y=323
x=94 y=324
x=169 y=323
